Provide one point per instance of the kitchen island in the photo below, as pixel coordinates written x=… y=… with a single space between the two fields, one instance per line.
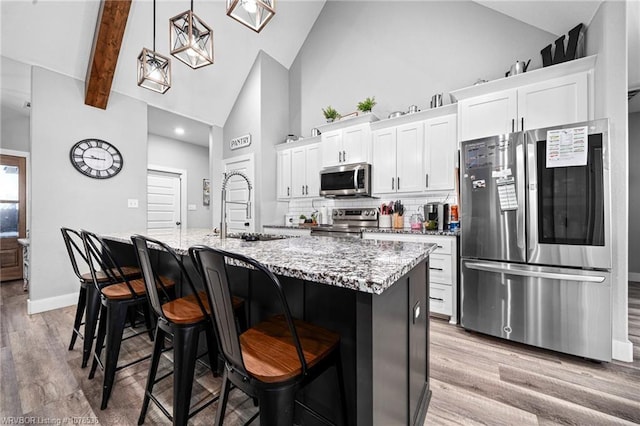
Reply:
x=374 y=293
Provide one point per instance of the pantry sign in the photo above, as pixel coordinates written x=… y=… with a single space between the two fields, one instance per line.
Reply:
x=240 y=142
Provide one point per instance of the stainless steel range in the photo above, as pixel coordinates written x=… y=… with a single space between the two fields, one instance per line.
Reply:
x=348 y=223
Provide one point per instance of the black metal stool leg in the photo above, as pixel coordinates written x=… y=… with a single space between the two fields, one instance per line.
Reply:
x=277 y=406
x=148 y=320
x=153 y=369
x=212 y=349
x=102 y=330
x=224 y=396
x=185 y=347
x=82 y=302
x=90 y=322
x=116 y=319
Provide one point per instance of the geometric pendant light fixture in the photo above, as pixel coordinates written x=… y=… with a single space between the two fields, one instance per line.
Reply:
x=253 y=13
x=191 y=40
x=154 y=70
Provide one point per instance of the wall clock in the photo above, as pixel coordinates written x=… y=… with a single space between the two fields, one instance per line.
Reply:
x=96 y=158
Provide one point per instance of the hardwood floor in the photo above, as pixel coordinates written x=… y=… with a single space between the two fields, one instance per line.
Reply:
x=475 y=379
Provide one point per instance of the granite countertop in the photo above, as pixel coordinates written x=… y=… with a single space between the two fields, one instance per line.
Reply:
x=381 y=230
x=412 y=232
x=369 y=266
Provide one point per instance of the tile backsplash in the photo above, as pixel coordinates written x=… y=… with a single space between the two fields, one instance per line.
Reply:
x=412 y=204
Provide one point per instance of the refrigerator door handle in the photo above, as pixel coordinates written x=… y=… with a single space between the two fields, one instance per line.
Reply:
x=521 y=189
x=524 y=272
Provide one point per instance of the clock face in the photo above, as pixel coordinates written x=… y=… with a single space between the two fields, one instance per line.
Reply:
x=96 y=158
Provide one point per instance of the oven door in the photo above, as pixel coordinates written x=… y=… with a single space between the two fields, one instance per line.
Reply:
x=569 y=204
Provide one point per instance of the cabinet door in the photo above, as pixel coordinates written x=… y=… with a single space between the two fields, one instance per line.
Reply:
x=383 y=167
x=355 y=144
x=487 y=115
x=409 y=154
x=298 y=173
x=440 y=153
x=331 y=148
x=558 y=101
x=283 y=165
x=313 y=166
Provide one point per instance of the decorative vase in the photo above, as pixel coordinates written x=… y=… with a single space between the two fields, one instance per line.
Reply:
x=329 y=120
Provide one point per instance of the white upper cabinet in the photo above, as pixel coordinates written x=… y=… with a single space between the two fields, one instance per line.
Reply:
x=552 y=102
x=298 y=170
x=346 y=146
x=305 y=171
x=486 y=115
x=550 y=96
x=440 y=153
x=397 y=158
x=283 y=166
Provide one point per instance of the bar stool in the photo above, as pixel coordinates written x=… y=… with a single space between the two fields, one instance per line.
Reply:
x=118 y=296
x=88 y=298
x=183 y=319
x=273 y=359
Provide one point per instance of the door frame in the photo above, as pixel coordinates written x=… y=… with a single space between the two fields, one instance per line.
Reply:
x=27 y=156
x=183 y=190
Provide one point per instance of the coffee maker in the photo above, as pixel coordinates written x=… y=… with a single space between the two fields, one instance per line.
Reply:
x=438 y=213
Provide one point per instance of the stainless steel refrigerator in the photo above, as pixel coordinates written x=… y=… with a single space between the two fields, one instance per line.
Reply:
x=536 y=238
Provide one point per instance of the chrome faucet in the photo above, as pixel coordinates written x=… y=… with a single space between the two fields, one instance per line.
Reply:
x=223 y=201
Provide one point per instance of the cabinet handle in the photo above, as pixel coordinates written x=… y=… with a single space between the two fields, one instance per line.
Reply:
x=513 y=125
x=339 y=157
x=288 y=191
x=522 y=123
x=344 y=156
x=436 y=269
x=426 y=180
x=398 y=183
x=393 y=183
x=439 y=246
x=436 y=298
x=302 y=189
x=306 y=189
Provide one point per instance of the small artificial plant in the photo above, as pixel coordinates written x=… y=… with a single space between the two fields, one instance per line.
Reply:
x=367 y=105
x=330 y=113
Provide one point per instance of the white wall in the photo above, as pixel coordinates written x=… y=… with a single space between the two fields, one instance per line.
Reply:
x=634 y=196
x=606 y=36
x=261 y=110
x=192 y=158
x=15 y=130
x=61 y=196
x=402 y=53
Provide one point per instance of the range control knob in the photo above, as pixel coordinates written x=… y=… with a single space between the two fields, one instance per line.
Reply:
x=366 y=212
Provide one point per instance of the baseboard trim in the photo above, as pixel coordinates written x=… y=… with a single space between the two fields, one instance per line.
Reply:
x=622 y=350
x=51 y=303
x=634 y=276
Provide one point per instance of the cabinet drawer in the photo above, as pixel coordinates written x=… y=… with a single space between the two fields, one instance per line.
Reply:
x=440 y=268
x=440 y=299
x=443 y=243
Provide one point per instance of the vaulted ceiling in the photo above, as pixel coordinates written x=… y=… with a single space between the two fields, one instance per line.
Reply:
x=58 y=35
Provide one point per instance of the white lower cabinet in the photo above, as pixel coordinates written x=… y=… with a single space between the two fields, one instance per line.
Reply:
x=443 y=269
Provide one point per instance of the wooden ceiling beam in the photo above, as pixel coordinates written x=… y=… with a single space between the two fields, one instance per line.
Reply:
x=112 y=21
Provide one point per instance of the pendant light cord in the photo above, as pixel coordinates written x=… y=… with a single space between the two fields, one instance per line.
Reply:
x=154 y=27
x=192 y=5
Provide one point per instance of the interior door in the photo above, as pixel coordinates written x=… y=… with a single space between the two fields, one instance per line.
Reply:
x=163 y=201
x=237 y=191
x=13 y=217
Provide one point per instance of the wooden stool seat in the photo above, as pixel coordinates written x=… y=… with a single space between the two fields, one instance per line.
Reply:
x=128 y=271
x=121 y=291
x=269 y=352
x=186 y=310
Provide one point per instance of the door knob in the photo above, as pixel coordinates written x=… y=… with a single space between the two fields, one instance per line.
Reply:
x=178 y=223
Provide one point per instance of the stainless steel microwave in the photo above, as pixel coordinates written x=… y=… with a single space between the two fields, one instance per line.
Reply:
x=349 y=180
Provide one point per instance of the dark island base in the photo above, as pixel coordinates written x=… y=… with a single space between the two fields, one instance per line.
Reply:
x=384 y=341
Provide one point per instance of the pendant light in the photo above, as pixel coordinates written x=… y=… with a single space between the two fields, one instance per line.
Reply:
x=191 y=39
x=253 y=13
x=154 y=70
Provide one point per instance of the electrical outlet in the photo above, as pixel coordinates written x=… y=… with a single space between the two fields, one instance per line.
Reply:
x=132 y=203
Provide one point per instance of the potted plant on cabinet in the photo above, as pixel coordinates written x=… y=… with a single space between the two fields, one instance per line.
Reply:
x=330 y=114
x=367 y=105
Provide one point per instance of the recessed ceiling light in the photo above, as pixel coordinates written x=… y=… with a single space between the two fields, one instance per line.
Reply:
x=179 y=131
